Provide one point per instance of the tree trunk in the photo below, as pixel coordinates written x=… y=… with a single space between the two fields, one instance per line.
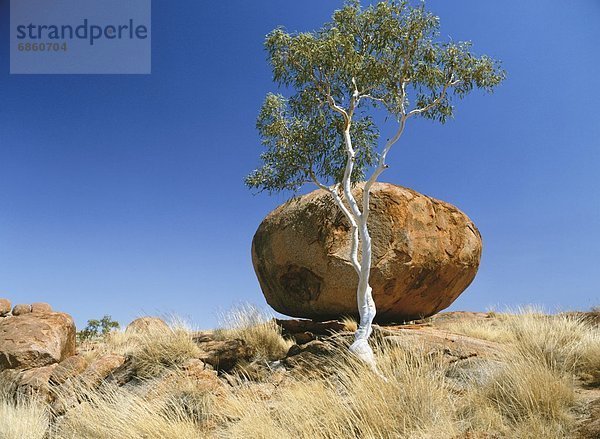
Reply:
x=364 y=296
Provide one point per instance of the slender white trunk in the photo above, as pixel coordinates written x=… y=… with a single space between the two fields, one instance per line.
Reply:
x=364 y=292
x=364 y=296
x=358 y=220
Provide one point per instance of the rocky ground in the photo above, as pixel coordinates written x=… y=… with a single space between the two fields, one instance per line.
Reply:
x=456 y=375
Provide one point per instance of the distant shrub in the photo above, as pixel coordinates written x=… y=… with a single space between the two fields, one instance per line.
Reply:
x=97 y=328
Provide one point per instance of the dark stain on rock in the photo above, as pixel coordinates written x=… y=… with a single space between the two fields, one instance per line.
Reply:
x=301 y=283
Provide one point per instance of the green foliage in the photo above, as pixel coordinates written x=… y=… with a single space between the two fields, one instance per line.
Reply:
x=384 y=56
x=96 y=328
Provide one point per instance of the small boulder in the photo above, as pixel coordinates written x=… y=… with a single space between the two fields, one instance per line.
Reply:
x=223 y=355
x=21 y=309
x=36 y=340
x=203 y=375
x=40 y=307
x=101 y=369
x=295 y=326
x=5 y=306
x=68 y=368
x=146 y=325
x=314 y=357
x=36 y=382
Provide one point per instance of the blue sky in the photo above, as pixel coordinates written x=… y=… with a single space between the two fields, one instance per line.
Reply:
x=124 y=195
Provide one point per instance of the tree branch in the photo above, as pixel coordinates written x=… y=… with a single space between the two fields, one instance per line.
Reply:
x=354 y=245
x=436 y=101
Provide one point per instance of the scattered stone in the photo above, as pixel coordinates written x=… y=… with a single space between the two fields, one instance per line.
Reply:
x=296 y=326
x=36 y=340
x=101 y=368
x=313 y=357
x=147 y=325
x=36 y=382
x=304 y=337
x=40 y=307
x=452 y=347
x=590 y=427
x=425 y=253
x=5 y=307
x=205 y=376
x=21 y=309
x=68 y=368
x=123 y=374
x=223 y=355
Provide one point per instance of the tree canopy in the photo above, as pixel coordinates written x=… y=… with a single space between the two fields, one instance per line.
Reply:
x=383 y=56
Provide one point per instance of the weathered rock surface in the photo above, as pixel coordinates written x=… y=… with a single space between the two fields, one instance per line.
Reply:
x=425 y=253
x=21 y=309
x=36 y=340
x=223 y=355
x=41 y=307
x=147 y=325
x=320 y=328
x=36 y=381
x=68 y=368
x=453 y=347
x=314 y=357
x=101 y=368
x=5 y=306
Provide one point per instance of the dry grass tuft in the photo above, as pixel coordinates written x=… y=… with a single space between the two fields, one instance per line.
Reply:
x=157 y=351
x=413 y=402
x=115 y=413
x=350 y=324
x=22 y=418
x=258 y=329
x=563 y=343
x=528 y=393
x=152 y=351
x=524 y=395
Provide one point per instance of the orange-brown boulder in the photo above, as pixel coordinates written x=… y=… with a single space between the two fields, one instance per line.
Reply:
x=36 y=340
x=5 y=307
x=35 y=381
x=68 y=368
x=425 y=254
x=41 y=307
x=20 y=309
x=101 y=368
x=147 y=325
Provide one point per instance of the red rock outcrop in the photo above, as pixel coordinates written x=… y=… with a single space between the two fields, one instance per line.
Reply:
x=36 y=340
x=425 y=253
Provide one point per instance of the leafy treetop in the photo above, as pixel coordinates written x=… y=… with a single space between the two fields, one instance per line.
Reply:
x=383 y=56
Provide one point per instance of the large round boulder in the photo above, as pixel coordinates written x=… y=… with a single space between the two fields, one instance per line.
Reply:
x=425 y=254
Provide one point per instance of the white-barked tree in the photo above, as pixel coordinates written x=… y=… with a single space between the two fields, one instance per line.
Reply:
x=384 y=58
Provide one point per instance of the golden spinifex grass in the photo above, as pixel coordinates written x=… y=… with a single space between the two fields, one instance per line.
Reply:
x=22 y=418
x=412 y=402
x=116 y=413
x=564 y=342
x=257 y=328
x=528 y=392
